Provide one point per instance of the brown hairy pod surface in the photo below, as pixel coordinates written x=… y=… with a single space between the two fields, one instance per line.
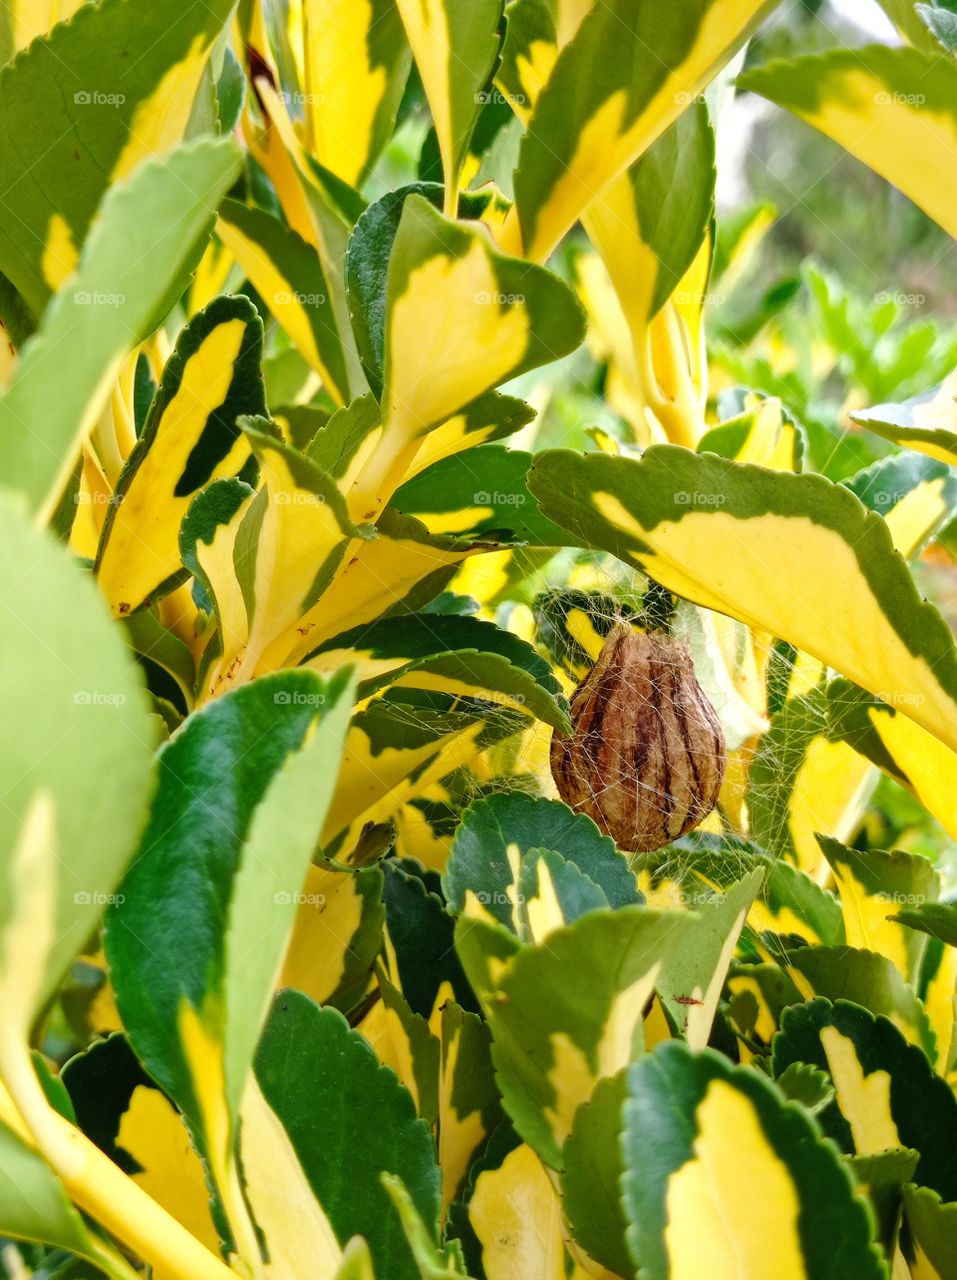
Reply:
x=646 y=754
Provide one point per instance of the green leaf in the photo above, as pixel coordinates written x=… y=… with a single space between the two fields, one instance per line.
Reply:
x=691 y=984
x=885 y=1093
x=723 y=1178
x=149 y=235
x=932 y=1231
x=927 y=422
x=502 y=837
x=802 y=1082
x=533 y=31
x=356 y=64
x=651 y=223
x=90 y=102
x=426 y=968
x=367 y=267
x=337 y=935
x=470 y=1108
x=916 y=495
x=34 y=1205
x=591 y=1176
x=395 y=749
x=207 y=540
x=230 y=93
x=349 y=1121
x=893 y=108
x=285 y=553
x=455 y=43
x=334 y=442
x=883 y=1177
x=765 y=547
x=872 y=884
x=461 y=318
x=288 y=275
x=462 y=656
x=77 y=757
x=911 y=22
x=761 y=432
x=196 y=938
x=433 y=1262
x=191 y=436
x=567 y=1013
x=867 y=979
x=616 y=87
x=939 y=919
x=941 y=23
x=789 y=901
x=480 y=492
x=411 y=1043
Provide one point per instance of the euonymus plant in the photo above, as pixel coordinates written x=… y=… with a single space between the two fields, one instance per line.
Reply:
x=305 y=972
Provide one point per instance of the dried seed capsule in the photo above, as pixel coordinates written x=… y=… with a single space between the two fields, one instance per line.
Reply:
x=646 y=754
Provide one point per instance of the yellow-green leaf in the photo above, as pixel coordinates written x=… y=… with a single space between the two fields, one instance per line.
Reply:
x=893 y=108
x=767 y=547
x=630 y=70
x=191 y=436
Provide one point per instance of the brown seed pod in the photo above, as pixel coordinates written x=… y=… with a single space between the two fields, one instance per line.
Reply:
x=646 y=754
